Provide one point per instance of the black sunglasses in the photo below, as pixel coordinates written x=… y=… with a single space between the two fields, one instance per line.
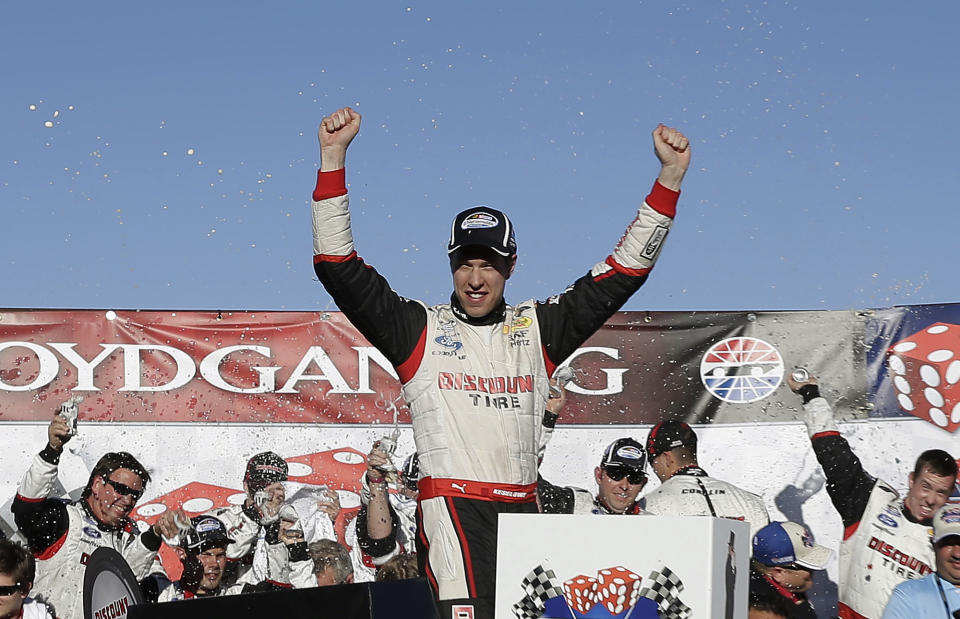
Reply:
x=124 y=489
x=616 y=473
x=11 y=589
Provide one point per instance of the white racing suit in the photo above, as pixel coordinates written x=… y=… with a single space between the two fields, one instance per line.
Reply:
x=476 y=387
x=883 y=543
x=691 y=492
x=62 y=536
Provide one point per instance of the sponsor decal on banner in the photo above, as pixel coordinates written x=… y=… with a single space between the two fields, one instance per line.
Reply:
x=741 y=369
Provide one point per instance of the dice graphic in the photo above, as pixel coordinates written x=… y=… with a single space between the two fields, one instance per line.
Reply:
x=617 y=589
x=580 y=593
x=926 y=370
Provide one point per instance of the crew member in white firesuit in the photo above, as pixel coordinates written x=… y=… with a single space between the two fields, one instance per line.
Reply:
x=475 y=370
x=202 y=551
x=886 y=538
x=686 y=489
x=620 y=477
x=263 y=485
x=17 y=571
x=62 y=535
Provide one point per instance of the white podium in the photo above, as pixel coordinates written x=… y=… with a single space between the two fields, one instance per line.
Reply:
x=694 y=567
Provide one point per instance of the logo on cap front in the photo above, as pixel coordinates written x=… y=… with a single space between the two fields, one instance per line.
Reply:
x=950 y=516
x=475 y=221
x=208 y=524
x=630 y=453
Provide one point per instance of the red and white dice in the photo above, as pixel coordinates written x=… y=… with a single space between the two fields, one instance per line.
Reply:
x=926 y=371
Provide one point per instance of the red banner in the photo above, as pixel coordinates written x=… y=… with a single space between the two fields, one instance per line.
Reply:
x=309 y=367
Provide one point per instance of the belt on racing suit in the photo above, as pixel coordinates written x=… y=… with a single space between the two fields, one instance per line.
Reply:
x=431 y=487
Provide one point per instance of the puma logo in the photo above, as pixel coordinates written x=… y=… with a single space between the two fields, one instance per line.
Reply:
x=461 y=487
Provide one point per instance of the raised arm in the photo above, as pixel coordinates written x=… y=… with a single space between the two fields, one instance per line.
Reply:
x=570 y=318
x=848 y=484
x=392 y=324
x=42 y=520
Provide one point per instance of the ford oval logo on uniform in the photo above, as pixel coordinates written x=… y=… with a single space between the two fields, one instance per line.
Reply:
x=887 y=520
x=91 y=532
x=448 y=342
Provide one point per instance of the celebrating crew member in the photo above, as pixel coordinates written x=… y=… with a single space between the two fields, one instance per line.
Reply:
x=475 y=370
x=63 y=535
x=782 y=566
x=203 y=553
x=686 y=489
x=17 y=571
x=886 y=539
x=262 y=483
x=620 y=478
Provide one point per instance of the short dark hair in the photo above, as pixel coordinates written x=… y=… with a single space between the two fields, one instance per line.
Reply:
x=17 y=563
x=938 y=462
x=400 y=567
x=112 y=461
x=328 y=553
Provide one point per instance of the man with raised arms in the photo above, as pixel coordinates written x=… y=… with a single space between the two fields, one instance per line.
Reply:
x=475 y=370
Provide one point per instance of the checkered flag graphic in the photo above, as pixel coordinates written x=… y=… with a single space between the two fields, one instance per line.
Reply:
x=526 y=609
x=678 y=610
x=664 y=588
x=540 y=585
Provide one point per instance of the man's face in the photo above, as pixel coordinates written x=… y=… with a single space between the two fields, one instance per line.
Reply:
x=479 y=276
x=620 y=494
x=326 y=577
x=795 y=579
x=948 y=559
x=928 y=492
x=113 y=496
x=10 y=604
x=212 y=562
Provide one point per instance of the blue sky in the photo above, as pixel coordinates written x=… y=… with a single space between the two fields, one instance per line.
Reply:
x=182 y=152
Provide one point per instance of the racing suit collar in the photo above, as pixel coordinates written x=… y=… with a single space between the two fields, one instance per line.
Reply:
x=492 y=318
x=605 y=509
x=693 y=470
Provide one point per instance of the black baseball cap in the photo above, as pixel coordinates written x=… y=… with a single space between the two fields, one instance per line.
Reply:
x=668 y=435
x=624 y=452
x=264 y=469
x=483 y=226
x=208 y=532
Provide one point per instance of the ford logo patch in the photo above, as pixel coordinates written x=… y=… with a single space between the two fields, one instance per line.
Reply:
x=92 y=532
x=887 y=520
